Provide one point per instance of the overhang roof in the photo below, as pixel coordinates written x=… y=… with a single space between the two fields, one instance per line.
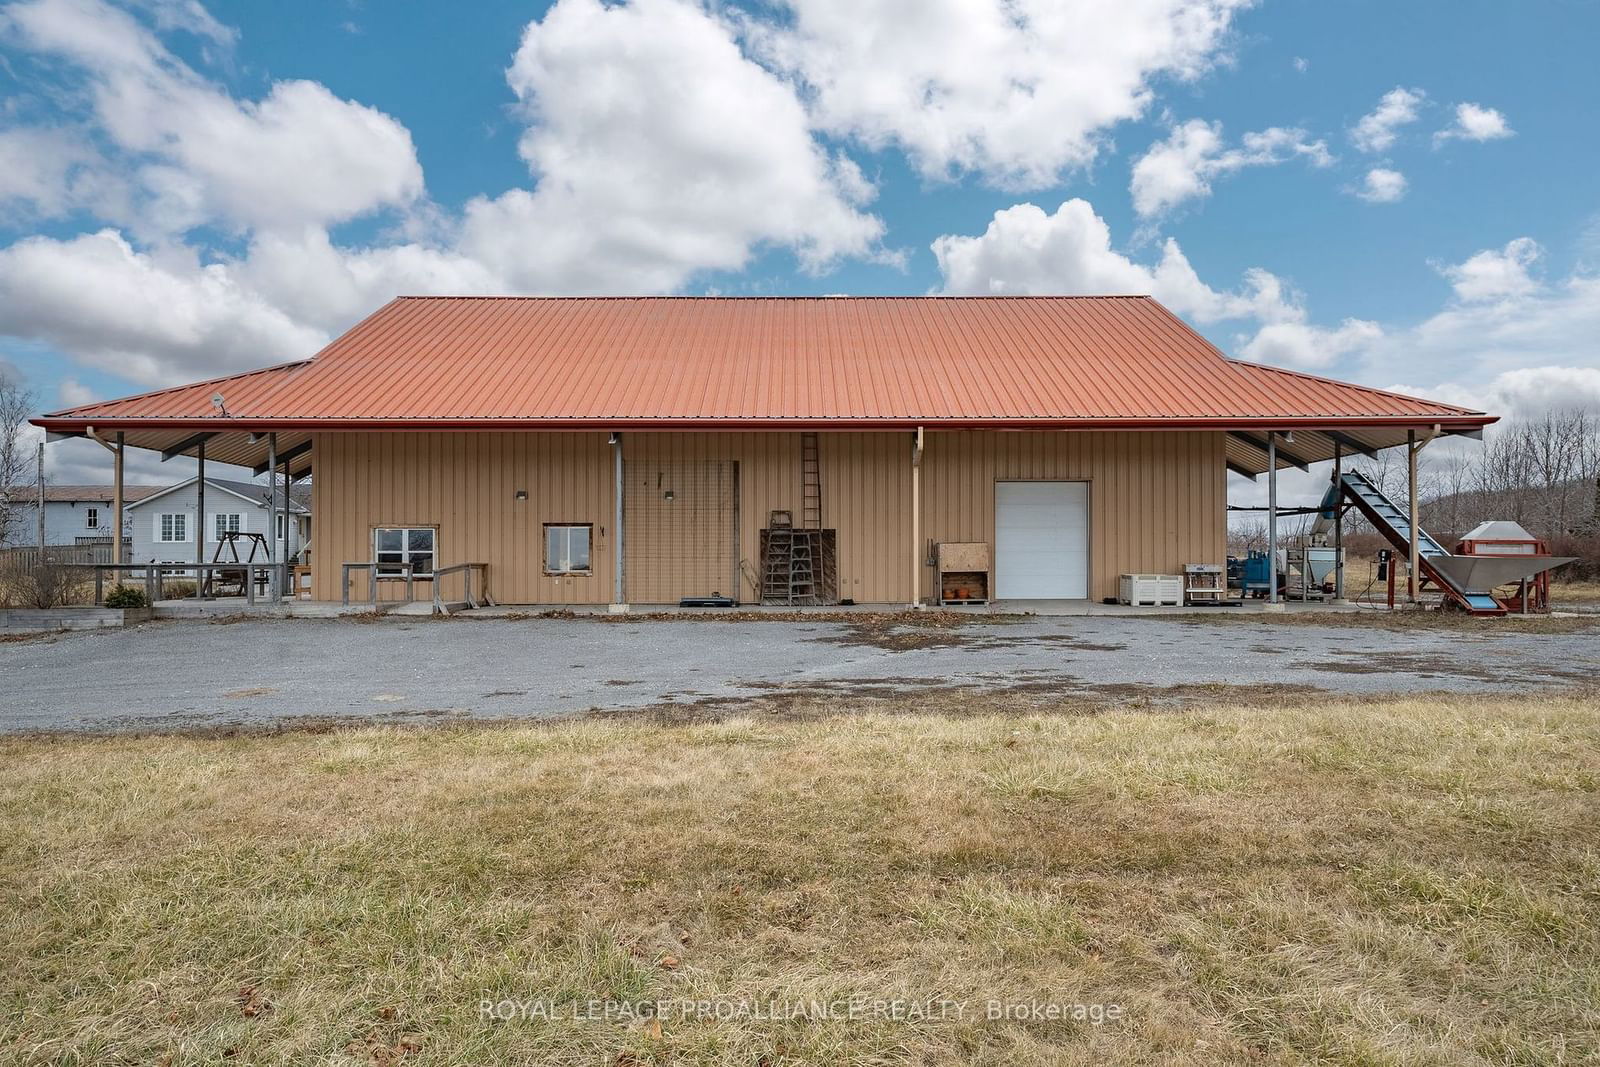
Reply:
x=779 y=363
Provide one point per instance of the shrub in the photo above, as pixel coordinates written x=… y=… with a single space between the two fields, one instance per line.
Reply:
x=177 y=589
x=126 y=596
x=45 y=585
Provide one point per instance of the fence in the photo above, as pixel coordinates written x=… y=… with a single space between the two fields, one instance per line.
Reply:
x=68 y=555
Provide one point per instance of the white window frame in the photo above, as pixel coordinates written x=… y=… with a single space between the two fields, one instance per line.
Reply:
x=179 y=525
x=277 y=530
x=91 y=518
x=561 y=564
x=407 y=552
x=235 y=524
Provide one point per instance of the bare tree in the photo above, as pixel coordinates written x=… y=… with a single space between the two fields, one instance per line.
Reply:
x=16 y=403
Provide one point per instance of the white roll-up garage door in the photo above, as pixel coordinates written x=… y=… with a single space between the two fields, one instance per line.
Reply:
x=1041 y=540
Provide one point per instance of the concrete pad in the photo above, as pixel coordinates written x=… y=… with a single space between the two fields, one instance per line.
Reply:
x=167 y=675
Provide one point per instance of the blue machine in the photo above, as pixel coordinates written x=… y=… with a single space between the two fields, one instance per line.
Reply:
x=1252 y=575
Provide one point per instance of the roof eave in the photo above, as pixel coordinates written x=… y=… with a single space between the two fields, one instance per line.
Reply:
x=239 y=424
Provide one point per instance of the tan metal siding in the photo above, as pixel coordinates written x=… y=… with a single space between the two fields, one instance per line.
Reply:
x=466 y=484
x=769 y=479
x=685 y=546
x=1156 y=500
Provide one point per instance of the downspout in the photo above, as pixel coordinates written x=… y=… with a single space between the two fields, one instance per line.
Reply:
x=916 y=520
x=618 y=604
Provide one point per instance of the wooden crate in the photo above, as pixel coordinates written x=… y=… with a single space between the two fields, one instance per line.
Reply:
x=963 y=556
x=963 y=572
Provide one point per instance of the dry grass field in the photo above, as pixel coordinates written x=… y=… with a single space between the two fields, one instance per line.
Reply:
x=1404 y=882
x=1574 y=592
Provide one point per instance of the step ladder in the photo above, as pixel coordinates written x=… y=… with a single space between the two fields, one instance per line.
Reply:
x=789 y=575
x=1395 y=525
x=810 y=483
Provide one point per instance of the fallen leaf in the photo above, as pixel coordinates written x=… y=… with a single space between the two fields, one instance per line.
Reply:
x=653 y=1028
x=668 y=962
x=252 y=1002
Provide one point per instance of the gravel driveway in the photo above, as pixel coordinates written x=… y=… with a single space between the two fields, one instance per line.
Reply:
x=197 y=674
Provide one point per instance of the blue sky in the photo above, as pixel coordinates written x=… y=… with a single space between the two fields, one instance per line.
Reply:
x=1396 y=194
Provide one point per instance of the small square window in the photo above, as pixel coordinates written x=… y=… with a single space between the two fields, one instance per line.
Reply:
x=566 y=548
x=91 y=518
x=404 y=544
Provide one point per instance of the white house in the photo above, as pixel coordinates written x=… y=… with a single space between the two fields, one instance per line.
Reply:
x=73 y=514
x=164 y=525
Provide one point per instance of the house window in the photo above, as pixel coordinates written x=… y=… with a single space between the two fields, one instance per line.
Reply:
x=222 y=524
x=91 y=518
x=566 y=549
x=278 y=530
x=404 y=544
x=175 y=527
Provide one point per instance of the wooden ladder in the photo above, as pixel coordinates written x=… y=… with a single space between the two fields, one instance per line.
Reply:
x=780 y=559
x=810 y=483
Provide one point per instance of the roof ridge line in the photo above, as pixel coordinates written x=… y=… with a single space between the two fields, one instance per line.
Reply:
x=777 y=296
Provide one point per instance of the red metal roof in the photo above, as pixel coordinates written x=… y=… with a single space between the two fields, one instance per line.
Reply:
x=746 y=362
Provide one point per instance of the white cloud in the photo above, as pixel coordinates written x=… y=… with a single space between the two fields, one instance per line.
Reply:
x=656 y=150
x=74 y=393
x=1025 y=251
x=1379 y=129
x=1495 y=274
x=1301 y=64
x=1182 y=167
x=126 y=312
x=42 y=173
x=1300 y=344
x=1507 y=341
x=1018 y=91
x=1474 y=123
x=659 y=150
x=191 y=17
x=1382 y=185
x=195 y=155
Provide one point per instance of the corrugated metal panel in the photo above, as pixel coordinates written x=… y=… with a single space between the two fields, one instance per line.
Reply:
x=685 y=543
x=1156 y=501
x=760 y=361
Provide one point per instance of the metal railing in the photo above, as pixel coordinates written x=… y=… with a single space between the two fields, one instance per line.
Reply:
x=467 y=571
x=271 y=578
